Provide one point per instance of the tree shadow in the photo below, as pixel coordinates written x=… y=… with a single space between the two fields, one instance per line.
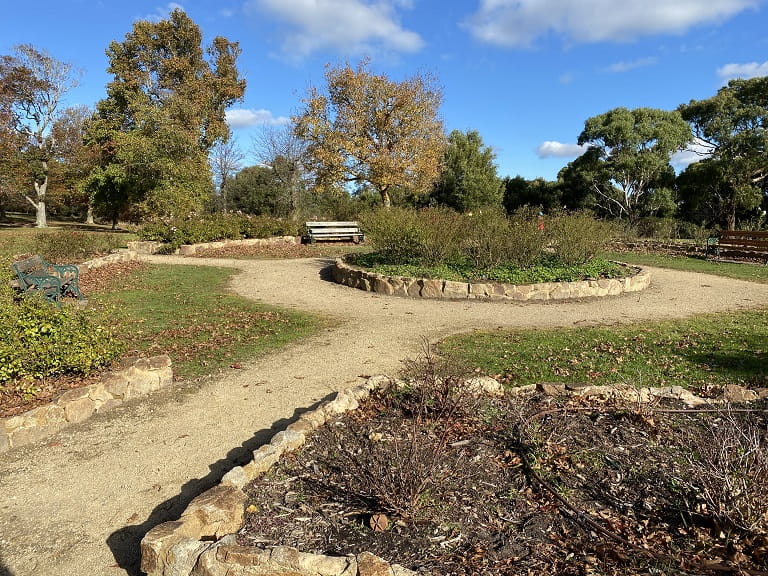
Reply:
x=746 y=365
x=4 y=570
x=125 y=542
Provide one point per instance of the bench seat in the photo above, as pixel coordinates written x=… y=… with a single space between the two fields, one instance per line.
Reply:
x=345 y=231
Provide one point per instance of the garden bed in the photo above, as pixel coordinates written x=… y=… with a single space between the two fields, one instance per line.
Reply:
x=356 y=277
x=451 y=484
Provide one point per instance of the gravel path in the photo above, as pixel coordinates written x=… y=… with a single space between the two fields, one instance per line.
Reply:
x=80 y=502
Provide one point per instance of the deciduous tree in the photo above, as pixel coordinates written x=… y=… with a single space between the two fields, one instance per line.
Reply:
x=369 y=130
x=629 y=156
x=32 y=87
x=163 y=112
x=226 y=159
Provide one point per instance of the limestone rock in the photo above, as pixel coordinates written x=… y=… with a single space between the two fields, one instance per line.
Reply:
x=220 y=511
x=738 y=394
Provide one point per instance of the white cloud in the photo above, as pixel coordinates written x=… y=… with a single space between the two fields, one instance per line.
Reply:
x=518 y=23
x=696 y=151
x=554 y=149
x=162 y=12
x=746 y=71
x=346 y=26
x=242 y=118
x=632 y=65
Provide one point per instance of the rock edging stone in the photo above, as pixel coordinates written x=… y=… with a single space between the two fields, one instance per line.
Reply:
x=203 y=541
x=152 y=247
x=138 y=378
x=348 y=275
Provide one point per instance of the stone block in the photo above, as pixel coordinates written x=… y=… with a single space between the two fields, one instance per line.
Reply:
x=304 y=563
x=287 y=441
x=480 y=290
x=187 y=249
x=551 y=388
x=371 y=565
x=158 y=362
x=431 y=288
x=382 y=286
x=108 y=405
x=5 y=442
x=78 y=410
x=99 y=394
x=414 y=289
x=156 y=544
x=236 y=477
x=220 y=511
x=72 y=395
x=263 y=459
x=456 y=290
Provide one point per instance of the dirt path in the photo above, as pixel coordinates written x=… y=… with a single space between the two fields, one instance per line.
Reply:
x=80 y=502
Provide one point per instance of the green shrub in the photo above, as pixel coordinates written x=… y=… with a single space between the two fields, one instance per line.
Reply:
x=526 y=239
x=577 y=237
x=40 y=340
x=488 y=239
x=213 y=227
x=72 y=246
x=395 y=234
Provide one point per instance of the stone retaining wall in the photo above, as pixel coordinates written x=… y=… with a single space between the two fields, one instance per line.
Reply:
x=137 y=377
x=349 y=275
x=203 y=541
x=151 y=247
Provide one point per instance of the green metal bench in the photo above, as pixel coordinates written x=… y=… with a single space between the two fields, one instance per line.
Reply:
x=55 y=281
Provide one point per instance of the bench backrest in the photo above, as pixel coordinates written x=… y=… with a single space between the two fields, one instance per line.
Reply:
x=322 y=225
x=746 y=239
x=34 y=265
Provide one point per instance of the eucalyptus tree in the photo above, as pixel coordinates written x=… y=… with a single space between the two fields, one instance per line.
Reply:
x=628 y=159
x=732 y=129
x=163 y=113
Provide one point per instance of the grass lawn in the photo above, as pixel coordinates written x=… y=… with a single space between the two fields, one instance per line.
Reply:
x=738 y=270
x=701 y=354
x=188 y=313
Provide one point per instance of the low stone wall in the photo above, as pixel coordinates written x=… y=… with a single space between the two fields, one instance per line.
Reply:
x=349 y=275
x=151 y=247
x=203 y=541
x=117 y=256
x=136 y=378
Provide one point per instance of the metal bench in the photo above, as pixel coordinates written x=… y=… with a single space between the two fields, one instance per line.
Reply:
x=54 y=280
x=349 y=231
x=739 y=243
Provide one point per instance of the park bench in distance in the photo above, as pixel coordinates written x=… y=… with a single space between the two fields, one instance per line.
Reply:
x=53 y=280
x=739 y=243
x=349 y=231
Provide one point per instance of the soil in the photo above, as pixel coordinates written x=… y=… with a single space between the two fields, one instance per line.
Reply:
x=524 y=485
x=80 y=501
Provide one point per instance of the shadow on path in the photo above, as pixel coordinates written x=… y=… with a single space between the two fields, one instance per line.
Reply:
x=4 y=570
x=125 y=542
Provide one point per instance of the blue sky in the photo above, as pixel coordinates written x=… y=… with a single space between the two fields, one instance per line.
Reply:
x=526 y=74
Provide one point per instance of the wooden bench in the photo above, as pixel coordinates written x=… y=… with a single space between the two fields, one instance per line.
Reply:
x=53 y=280
x=349 y=231
x=739 y=243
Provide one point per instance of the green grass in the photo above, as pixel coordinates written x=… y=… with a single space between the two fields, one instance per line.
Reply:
x=737 y=270
x=186 y=312
x=699 y=353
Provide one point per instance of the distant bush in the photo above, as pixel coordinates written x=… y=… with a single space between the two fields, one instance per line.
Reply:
x=577 y=237
x=40 y=340
x=73 y=246
x=211 y=228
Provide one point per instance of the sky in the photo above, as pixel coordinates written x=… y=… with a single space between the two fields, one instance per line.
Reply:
x=526 y=74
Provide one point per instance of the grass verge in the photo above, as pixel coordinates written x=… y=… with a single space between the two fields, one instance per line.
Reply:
x=187 y=312
x=737 y=270
x=702 y=354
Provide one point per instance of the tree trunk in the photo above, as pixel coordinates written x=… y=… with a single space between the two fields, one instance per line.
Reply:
x=89 y=215
x=41 y=220
x=386 y=199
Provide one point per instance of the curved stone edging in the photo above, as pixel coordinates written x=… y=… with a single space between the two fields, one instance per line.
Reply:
x=348 y=275
x=203 y=541
x=141 y=377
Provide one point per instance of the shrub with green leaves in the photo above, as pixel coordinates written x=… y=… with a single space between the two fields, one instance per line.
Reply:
x=72 y=246
x=213 y=227
x=577 y=237
x=40 y=340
